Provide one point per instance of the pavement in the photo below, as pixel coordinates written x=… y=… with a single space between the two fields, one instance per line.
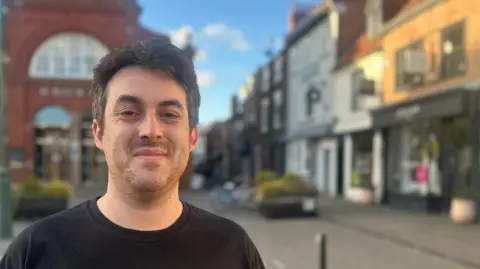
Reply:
x=360 y=237
x=432 y=234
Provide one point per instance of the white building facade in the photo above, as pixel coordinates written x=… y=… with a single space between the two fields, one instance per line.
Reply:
x=358 y=89
x=311 y=146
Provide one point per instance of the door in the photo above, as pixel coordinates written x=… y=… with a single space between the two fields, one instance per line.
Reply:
x=312 y=160
x=326 y=169
x=340 y=167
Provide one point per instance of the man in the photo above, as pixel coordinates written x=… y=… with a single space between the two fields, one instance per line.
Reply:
x=145 y=109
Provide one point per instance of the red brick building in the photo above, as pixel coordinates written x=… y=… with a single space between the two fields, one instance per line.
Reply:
x=53 y=46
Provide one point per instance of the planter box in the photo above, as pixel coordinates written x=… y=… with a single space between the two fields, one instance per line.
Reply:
x=289 y=206
x=426 y=204
x=463 y=211
x=31 y=208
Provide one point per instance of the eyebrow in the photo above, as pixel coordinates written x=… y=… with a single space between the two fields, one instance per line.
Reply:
x=129 y=99
x=135 y=100
x=170 y=103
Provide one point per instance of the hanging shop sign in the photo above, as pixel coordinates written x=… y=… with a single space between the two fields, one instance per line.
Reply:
x=445 y=104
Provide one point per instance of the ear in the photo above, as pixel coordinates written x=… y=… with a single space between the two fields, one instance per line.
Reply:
x=97 y=134
x=193 y=138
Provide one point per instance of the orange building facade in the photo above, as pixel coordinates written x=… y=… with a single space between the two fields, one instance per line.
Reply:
x=431 y=96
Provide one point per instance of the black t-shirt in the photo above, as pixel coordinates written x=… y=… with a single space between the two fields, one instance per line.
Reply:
x=83 y=238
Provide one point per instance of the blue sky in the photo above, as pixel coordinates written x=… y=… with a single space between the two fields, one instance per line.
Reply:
x=231 y=35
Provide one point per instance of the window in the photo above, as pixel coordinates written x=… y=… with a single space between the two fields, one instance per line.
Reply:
x=264 y=115
x=277 y=109
x=257 y=158
x=278 y=75
x=453 y=51
x=364 y=95
x=362 y=162
x=266 y=78
x=404 y=79
x=313 y=96
x=67 y=56
x=417 y=165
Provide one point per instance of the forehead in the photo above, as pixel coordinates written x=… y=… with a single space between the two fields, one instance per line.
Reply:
x=150 y=86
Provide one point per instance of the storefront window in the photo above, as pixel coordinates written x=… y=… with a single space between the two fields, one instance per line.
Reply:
x=432 y=157
x=362 y=159
x=419 y=158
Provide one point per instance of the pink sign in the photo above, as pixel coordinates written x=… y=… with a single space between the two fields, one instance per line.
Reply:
x=421 y=174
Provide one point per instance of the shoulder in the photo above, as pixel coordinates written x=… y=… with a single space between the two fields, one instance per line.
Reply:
x=212 y=222
x=227 y=234
x=36 y=237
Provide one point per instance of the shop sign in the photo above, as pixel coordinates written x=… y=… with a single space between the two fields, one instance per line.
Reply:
x=407 y=113
x=61 y=91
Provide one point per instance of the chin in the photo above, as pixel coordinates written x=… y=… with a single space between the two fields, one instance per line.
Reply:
x=150 y=181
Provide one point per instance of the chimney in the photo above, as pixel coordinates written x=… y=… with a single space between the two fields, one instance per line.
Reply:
x=298 y=12
x=291 y=18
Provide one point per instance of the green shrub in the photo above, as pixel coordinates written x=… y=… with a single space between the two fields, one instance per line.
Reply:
x=290 y=184
x=57 y=188
x=31 y=186
x=264 y=176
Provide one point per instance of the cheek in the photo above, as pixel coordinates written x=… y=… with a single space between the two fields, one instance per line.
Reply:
x=116 y=140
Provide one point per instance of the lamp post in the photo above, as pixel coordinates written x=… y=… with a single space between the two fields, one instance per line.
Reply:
x=5 y=187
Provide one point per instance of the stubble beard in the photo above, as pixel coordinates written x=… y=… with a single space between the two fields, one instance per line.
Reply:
x=144 y=183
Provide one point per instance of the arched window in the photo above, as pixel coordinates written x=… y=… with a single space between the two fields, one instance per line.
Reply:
x=67 y=56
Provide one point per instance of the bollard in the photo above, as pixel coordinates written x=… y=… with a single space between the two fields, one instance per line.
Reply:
x=321 y=241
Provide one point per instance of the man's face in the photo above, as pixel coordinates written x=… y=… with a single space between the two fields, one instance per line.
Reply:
x=146 y=137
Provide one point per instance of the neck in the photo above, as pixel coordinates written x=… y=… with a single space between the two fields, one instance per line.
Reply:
x=128 y=211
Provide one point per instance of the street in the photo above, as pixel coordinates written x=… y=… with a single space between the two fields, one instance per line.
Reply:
x=289 y=243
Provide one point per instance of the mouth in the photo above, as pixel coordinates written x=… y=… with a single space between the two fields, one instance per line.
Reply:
x=151 y=153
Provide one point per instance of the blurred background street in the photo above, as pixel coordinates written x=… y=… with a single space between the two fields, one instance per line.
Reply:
x=360 y=116
x=407 y=241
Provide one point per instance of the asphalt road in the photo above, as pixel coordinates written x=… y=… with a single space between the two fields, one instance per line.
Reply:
x=289 y=244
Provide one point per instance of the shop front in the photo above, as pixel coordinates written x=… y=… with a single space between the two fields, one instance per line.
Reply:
x=428 y=149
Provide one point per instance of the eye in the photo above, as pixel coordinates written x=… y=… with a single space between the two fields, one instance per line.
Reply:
x=169 y=115
x=128 y=113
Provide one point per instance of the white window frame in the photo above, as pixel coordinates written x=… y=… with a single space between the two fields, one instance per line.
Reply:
x=74 y=53
x=278 y=103
x=278 y=75
x=264 y=124
x=266 y=78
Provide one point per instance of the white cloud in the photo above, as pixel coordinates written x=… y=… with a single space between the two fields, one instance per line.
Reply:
x=201 y=56
x=205 y=78
x=223 y=34
x=215 y=34
x=180 y=36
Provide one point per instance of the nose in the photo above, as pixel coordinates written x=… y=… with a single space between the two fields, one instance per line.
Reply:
x=150 y=127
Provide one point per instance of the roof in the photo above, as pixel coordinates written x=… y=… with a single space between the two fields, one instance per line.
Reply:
x=307 y=23
x=362 y=47
x=298 y=12
x=351 y=23
x=144 y=33
x=355 y=43
x=407 y=6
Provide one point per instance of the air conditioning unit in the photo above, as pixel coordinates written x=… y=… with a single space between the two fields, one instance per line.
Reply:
x=415 y=61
